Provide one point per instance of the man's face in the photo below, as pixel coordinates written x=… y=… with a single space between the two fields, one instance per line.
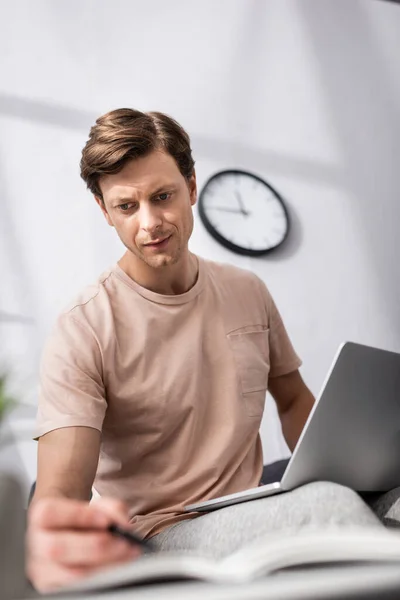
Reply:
x=150 y=204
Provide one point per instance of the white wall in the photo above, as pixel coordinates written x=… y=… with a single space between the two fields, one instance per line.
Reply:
x=305 y=93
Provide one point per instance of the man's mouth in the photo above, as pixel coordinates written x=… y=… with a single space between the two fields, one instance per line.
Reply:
x=158 y=243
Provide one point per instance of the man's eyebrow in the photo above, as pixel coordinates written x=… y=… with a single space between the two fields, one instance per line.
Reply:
x=121 y=200
x=160 y=188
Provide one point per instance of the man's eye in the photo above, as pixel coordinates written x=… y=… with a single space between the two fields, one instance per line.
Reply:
x=163 y=196
x=124 y=207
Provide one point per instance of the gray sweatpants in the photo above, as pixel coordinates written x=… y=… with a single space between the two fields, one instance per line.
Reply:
x=312 y=506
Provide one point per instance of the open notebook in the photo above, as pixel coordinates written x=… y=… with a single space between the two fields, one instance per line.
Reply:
x=260 y=559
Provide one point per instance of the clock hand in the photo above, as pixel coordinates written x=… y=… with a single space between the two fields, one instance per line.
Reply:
x=226 y=209
x=242 y=207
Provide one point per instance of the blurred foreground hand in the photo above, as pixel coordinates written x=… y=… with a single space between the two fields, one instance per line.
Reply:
x=68 y=539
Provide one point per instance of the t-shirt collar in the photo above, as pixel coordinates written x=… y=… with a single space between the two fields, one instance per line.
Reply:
x=164 y=298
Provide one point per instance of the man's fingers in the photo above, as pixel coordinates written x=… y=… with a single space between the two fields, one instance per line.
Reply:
x=68 y=539
x=64 y=513
x=52 y=577
x=73 y=549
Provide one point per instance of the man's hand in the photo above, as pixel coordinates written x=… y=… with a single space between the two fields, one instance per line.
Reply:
x=67 y=539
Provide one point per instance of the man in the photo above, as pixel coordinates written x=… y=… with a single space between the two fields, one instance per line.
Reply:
x=154 y=379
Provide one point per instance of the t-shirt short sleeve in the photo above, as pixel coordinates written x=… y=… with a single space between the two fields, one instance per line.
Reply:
x=283 y=358
x=71 y=392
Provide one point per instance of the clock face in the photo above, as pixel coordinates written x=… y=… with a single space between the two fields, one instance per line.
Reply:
x=243 y=213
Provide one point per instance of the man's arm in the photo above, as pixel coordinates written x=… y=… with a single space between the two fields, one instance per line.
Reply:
x=67 y=463
x=67 y=537
x=294 y=402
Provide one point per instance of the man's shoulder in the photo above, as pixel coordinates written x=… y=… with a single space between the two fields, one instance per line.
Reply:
x=226 y=273
x=86 y=322
x=92 y=300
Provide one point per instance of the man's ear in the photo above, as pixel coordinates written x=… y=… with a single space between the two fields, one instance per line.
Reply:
x=193 y=188
x=100 y=202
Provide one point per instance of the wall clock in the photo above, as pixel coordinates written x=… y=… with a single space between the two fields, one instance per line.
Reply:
x=243 y=212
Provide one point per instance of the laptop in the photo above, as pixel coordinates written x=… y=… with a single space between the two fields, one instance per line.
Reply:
x=352 y=435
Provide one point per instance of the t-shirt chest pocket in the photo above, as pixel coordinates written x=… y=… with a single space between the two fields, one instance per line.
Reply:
x=250 y=350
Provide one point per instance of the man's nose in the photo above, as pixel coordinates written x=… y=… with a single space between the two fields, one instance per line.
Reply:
x=150 y=219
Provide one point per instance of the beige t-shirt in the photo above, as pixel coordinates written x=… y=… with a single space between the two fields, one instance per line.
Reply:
x=176 y=385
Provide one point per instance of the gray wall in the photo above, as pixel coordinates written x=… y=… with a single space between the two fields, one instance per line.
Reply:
x=305 y=93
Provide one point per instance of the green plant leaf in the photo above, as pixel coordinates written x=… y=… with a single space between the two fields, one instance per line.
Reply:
x=6 y=401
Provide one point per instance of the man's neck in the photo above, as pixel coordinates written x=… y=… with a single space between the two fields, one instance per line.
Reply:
x=171 y=280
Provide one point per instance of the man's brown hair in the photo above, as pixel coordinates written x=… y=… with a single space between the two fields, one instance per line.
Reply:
x=125 y=134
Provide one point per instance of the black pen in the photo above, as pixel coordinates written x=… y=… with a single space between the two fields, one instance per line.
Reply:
x=130 y=537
